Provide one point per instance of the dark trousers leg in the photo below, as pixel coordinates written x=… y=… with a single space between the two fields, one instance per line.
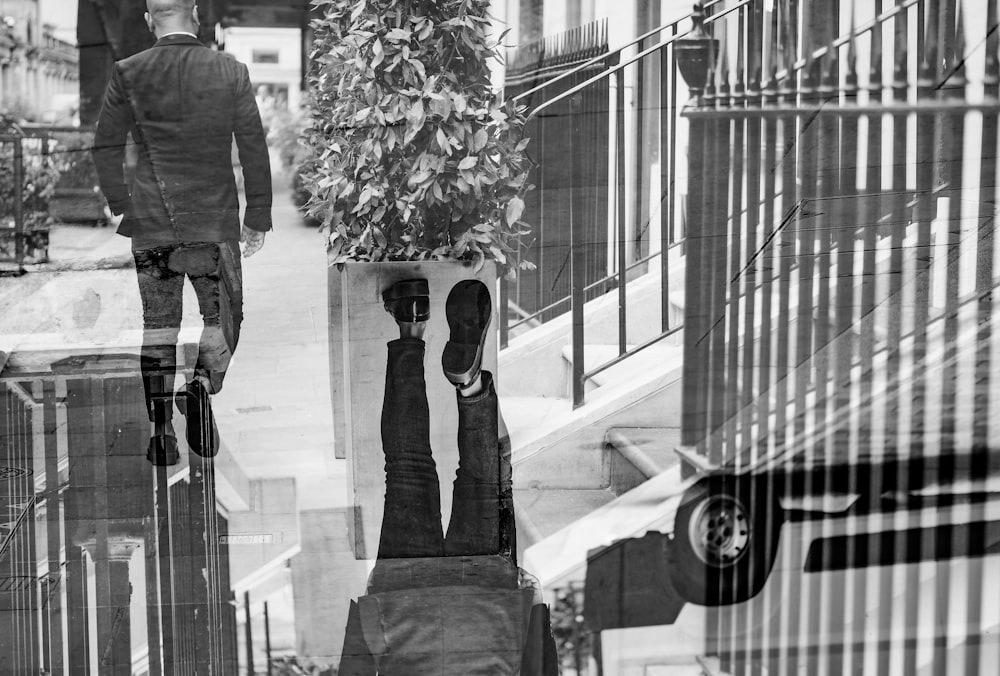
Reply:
x=483 y=476
x=411 y=524
x=217 y=278
x=161 y=291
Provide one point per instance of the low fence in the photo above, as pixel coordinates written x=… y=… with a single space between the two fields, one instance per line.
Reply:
x=58 y=183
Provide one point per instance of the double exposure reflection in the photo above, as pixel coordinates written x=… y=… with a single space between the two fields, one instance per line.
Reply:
x=728 y=270
x=454 y=603
x=181 y=208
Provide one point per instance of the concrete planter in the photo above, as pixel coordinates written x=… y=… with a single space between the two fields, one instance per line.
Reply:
x=359 y=330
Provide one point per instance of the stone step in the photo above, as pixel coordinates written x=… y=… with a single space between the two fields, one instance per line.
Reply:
x=540 y=512
x=664 y=356
x=637 y=454
x=561 y=557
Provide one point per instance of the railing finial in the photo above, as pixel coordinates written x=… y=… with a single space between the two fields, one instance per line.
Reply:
x=698 y=20
x=695 y=53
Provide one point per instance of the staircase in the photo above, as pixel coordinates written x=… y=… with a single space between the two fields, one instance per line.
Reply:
x=582 y=476
x=593 y=441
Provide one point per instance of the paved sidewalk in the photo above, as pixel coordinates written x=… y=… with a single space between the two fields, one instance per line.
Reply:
x=274 y=411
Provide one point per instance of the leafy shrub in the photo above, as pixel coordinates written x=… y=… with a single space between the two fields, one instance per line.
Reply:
x=41 y=173
x=73 y=152
x=415 y=155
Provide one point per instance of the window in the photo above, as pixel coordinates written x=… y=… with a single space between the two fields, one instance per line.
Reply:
x=265 y=56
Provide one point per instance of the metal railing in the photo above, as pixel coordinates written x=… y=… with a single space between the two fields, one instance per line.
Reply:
x=627 y=249
x=12 y=243
x=839 y=320
x=30 y=153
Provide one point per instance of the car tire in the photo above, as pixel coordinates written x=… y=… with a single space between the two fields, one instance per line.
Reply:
x=725 y=540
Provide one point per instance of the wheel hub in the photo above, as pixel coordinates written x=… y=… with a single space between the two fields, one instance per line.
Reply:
x=720 y=531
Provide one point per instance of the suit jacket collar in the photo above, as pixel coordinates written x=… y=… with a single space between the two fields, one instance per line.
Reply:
x=177 y=39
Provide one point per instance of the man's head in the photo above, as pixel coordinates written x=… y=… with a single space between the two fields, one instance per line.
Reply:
x=167 y=16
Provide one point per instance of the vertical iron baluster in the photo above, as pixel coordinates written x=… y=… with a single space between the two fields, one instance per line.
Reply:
x=891 y=316
x=983 y=463
x=640 y=207
x=813 y=312
x=52 y=628
x=767 y=263
x=577 y=255
x=747 y=264
x=924 y=212
x=20 y=231
x=866 y=476
x=786 y=255
x=674 y=236
x=804 y=223
x=983 y=402
x=735 y=291
x=668 y=102
x=843 y=186
x=951 y=85
x=622 y=264
x=767 y=256
x=720 y=158
x=619 y=159
x=732 y=100
x=786 y=245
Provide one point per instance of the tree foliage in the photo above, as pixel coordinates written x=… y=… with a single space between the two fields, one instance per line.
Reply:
x=415 y=155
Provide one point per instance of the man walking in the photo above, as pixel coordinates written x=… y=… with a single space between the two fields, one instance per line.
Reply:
x=184 y=103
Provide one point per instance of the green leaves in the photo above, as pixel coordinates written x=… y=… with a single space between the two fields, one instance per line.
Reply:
x=514 y=209
x=415 y=156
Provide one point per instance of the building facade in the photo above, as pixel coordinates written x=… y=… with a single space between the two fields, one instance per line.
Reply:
x=274 y=59
x=39 y=73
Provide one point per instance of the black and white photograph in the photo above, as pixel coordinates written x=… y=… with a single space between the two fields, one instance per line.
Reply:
x=499 y=338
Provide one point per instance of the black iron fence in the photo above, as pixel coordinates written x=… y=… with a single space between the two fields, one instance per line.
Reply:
x=840 y=292
x=569 y=195
x=13 y=232
x=609 y=204
x=79 y=499
x=46 y=176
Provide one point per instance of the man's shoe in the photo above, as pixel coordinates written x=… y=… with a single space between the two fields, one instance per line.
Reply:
x=162 y=450
x=202 y=434
x=408 y=301
x=468 y=310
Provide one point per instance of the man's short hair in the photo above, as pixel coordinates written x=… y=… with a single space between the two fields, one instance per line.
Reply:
x=159 y=9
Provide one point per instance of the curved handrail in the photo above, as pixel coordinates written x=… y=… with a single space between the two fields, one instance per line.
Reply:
x=620 y=66
x=602 y=57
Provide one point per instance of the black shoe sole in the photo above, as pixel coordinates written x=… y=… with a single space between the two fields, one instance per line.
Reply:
x=469 y=310
x=162 y=451
x=193 y=402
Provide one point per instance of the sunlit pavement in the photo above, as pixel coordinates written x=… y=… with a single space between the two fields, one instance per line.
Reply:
x=274 y=412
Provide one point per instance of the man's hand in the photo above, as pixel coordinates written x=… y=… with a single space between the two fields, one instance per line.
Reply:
x=252 y=240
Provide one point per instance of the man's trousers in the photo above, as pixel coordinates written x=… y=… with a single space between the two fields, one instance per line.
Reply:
x=216 y=275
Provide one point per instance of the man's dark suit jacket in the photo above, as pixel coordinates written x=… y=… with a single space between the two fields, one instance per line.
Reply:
x=183 y=103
